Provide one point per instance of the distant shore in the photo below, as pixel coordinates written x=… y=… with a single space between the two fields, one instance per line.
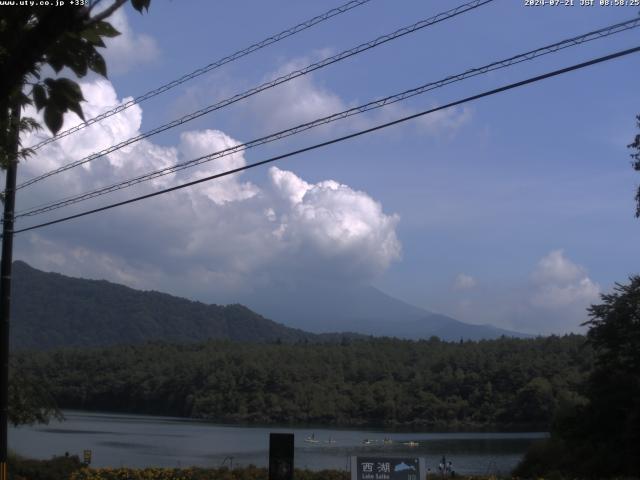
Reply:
x=372 y=427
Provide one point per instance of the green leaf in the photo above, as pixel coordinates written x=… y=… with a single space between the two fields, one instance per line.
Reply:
x=53 y=118
x=97 y=64
x=55 y=61
x=69 y=88
x=78 y=63
x=64 y=94
x=39 y=96
x=140 y=4
x=76 y=108
x=28 y=124
x=24 y=99
x=105 y=29
x=91 y=36
x=35 y=71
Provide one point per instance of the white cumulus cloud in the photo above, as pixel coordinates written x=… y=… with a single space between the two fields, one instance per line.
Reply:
x=551 y=299
x=337 y=224
x=560 y=282
x=209 y=241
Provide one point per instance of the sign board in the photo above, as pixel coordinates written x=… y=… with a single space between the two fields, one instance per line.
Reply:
x=281 y=456
x=387 y=468
x=86 y=456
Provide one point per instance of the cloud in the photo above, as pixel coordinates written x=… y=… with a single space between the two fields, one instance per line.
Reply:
x=464 y=282
x=441 y=124
x=555 y=268
x=131 y=160
x=562 y=283
x=305 y=99
x=551 y=299
x=343 y=229
x=446 y=122
x=129 y=49
x=212 y=241
x=297 y=101
x=225 y=189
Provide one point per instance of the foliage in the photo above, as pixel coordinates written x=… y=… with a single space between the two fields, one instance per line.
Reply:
x=30 y=400
x=194 y=473
x=601 y=438
x=246 y=473
x=505 y=383
x=37 y=36
x=636 y=163
x=55 y=469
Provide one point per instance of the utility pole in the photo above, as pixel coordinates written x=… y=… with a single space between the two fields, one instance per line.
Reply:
x=5 y=279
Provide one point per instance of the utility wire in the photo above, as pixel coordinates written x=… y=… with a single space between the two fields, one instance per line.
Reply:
x=212 y=66
x=527 y=56
x=343 y=138
x=282 y=79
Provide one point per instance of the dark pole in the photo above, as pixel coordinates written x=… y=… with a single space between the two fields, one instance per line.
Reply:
x=5 y=280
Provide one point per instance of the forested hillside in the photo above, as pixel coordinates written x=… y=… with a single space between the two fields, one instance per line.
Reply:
x=52 y=311
x=505 y=383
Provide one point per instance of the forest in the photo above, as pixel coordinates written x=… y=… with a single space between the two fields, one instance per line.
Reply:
x=505 y=384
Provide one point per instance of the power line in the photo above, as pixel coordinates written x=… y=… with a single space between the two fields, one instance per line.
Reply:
x=527 y=56
x=201 y=71
x=282 y=79
x=343 y=138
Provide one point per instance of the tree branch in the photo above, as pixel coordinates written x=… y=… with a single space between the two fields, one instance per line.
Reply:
x=105 y=13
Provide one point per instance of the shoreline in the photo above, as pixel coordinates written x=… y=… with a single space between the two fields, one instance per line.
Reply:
x=373 y=428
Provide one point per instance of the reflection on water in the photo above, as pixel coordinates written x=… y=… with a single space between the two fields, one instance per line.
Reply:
x=140 y=441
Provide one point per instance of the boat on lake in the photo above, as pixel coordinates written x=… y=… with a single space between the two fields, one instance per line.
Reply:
x=311 y=439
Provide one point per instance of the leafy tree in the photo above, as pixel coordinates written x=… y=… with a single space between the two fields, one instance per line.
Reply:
x=614 y=386
x=601 y=438
x=535 y=401
x=34 y=40
x=390 y=382
x=30 y=399
x=34 y=37
x=636 y=163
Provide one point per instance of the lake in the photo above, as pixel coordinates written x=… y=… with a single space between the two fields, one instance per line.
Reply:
x=144 y=441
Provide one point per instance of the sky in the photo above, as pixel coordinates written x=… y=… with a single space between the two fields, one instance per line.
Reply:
x=515 y=210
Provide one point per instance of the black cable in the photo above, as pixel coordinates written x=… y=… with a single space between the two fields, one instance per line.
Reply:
x=200 y=71
x=530 y=55
x=345 y=137
x=268 y=85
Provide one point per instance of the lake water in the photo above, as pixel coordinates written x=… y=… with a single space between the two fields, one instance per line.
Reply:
x=142 y=441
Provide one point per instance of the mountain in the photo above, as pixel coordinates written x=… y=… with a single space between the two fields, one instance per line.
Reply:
x=50 y=310
x=363 y=309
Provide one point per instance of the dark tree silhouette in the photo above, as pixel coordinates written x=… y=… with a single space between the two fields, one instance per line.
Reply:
x=636 y=163
x=32 y=38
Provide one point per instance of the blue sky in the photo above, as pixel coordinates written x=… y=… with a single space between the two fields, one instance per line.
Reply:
x=515 y=210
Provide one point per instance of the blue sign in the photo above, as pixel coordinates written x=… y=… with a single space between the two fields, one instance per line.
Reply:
x=386 y=468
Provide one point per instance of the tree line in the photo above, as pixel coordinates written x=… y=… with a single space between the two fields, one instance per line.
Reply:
x=600 y=438
x=505 y=383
